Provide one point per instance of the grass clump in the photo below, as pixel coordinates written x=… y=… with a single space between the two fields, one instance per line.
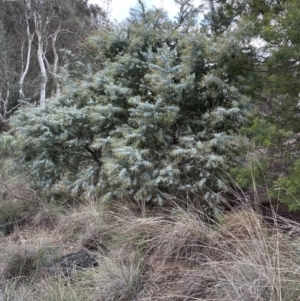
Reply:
x=47 y=214
x=47 y=289
x=245 y=261
x=174 y=254
x=117 y=277
x=22 y=262
x=85 y=219
x=34 y=212
x=10 y=213
x=183 y=236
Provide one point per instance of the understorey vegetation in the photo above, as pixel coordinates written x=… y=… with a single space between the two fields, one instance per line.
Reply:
x=155 y=158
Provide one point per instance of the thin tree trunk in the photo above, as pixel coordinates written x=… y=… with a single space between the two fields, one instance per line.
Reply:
x=40 y=54
x=54 y=70
x=30 y=37
x=56 y=59
x=4 y=105
x=5 y=102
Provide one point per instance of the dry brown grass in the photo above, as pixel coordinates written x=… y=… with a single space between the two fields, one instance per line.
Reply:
x=22 y=261
x=174 y=255
x=180 y=238
x=118 y=277
x=82 y=222
x=23 y=207
x=143 y=254
x=242 y=260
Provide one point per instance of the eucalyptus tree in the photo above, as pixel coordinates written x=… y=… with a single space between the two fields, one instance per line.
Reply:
x=37 y=34
x=4 y=80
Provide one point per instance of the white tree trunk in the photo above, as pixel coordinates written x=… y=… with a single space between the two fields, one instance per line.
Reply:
x=55 y=64
x=4 y=103
x=54 y=71
x=40 y=54
x=30 y=37
x=44 y=77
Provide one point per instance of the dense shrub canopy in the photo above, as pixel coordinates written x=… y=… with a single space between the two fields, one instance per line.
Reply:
x=161 y=118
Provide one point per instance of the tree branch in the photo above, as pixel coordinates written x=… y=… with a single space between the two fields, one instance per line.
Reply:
x=93 y=155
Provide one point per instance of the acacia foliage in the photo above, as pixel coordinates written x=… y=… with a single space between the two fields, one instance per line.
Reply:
x=161 y=118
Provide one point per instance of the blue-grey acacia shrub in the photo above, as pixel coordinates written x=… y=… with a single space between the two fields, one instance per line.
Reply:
x=159 y=119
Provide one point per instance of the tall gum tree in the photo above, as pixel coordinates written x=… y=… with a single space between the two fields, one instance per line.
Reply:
x=4 y=79
x=27 y=41
x=35 y=33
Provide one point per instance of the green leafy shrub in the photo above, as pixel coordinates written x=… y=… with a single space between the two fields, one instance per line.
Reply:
x=262 y=131
x=287 y=188
x=160 y=119
x=246 y=175
x=6 y=141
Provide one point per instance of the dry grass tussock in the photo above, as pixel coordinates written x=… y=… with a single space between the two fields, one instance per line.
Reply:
x=237 y=258
x=22 y=207
x=172 y=255
x=245 y=261
x=23 y=261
